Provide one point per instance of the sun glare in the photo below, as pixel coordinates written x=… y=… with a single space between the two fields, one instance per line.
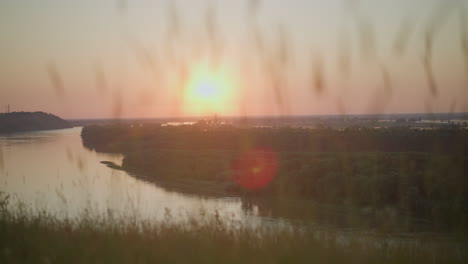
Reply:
x=209 y=91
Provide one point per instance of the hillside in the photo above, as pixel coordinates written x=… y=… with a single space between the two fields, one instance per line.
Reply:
x=30 y=121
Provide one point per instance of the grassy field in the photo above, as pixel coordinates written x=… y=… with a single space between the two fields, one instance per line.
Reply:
x=26 y=237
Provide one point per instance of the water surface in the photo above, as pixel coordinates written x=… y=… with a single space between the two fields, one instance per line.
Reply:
x=52 y=171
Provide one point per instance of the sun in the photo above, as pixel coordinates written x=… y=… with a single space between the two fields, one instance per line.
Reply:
x=209 y=91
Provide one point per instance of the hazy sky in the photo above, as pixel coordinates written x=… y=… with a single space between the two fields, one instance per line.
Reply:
x=107 y=58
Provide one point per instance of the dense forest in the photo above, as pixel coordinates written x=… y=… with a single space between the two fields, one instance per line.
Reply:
x=30 y=121
x=406 y=173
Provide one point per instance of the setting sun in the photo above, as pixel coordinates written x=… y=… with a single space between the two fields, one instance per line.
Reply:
x=211 y=131
x=209 y=91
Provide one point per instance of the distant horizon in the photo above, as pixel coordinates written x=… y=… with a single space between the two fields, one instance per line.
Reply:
x=261 y=116
x=169 y=58
x=341 y=122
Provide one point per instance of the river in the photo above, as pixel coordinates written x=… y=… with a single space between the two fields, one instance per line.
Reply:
x=51 y=171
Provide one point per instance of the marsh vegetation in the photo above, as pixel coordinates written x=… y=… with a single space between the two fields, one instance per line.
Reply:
x=394 y=178
x=26 y=237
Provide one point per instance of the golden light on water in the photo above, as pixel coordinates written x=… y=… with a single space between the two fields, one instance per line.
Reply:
x=209 y=91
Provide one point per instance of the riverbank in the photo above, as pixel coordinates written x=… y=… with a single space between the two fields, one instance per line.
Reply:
x=30 y=121
x=108 y=239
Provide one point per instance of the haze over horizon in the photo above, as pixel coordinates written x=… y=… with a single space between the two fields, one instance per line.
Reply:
x=163 y=58
x=234 y=131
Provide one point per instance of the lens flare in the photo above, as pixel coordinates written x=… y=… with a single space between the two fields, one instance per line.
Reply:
x=255 y=168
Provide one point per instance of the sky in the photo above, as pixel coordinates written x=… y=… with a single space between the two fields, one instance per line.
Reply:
x=162 y=58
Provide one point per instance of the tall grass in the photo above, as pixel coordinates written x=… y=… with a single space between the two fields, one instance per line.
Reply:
x=42 y=238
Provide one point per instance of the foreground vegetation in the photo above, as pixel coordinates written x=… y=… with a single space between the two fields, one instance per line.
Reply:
x=395 y=179
x=27 y=237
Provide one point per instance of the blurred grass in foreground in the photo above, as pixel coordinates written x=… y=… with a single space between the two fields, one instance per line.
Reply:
x=41 y=238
